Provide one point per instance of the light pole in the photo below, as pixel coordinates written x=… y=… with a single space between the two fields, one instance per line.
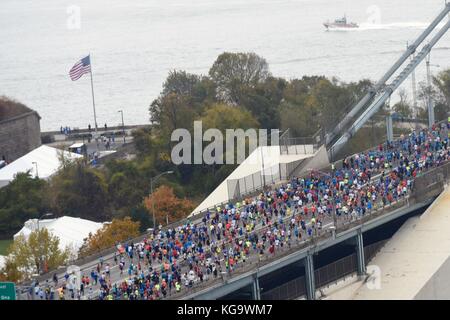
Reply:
x=153 y=180
x=430 y=101
x=123 y=126
x=414 y=93
x=262 y=171
x=37 y=174
x=261 y=146
x=40 y=251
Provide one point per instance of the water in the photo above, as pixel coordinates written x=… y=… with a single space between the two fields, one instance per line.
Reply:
x=134 y=44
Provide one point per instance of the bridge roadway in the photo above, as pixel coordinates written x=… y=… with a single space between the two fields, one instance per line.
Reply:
x=427 y=188
x=245 y=274
x=117 y=277
x=240 y=277
x=299 y=251
x=324 y=238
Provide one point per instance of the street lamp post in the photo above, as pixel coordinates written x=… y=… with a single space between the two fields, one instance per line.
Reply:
x=152 y=181
x=40 y=251
x=414 y=92
x=261 y=146
x=262 y=171
x=123 y=126
x=430 y=100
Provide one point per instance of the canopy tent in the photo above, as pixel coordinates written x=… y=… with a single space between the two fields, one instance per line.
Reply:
x=70 y=231
x=46 y=159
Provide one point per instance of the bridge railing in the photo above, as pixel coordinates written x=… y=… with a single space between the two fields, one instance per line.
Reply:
x=324 y=276
x=425 y=186
x=255 y=262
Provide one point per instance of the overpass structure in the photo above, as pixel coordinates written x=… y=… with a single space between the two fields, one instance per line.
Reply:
x=380 y=93
x=427 y=188
x=413 y=264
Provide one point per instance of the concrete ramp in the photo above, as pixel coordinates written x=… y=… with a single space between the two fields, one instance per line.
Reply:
x=415 y=263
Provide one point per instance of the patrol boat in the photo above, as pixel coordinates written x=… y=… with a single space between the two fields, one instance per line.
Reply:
x=340 y=24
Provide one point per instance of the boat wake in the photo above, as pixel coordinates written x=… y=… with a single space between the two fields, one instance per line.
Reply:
x=385 y=26
x=397 y=25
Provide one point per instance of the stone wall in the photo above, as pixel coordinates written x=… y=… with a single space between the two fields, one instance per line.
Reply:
x=19 y=135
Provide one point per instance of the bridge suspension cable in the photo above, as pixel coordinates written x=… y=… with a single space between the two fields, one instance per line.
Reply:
x=380 y=93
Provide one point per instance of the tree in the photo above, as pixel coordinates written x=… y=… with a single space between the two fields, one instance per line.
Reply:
x=80 y=191
x=180 y=101
x=181 y=83
x=402 y=107
x=442 y=101
x=442 y=82
x=222 y=116
x=233 y=72
x=333 y=100
x=40 y=251
x=313 y=101
x=141 y=215
x=171 y=112
x=300 y=120
x=167 y=205
x=264 y=100
x=127 y=185
x=142 y=141
x=168 y=110
x=22 y=199
x=117 y=231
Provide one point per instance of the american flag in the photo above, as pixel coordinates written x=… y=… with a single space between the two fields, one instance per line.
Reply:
x=81 y=67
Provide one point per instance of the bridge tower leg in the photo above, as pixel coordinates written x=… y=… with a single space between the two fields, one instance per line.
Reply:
x=390 y=128
x=309 y=276
x=256 y=289
x=360 y=254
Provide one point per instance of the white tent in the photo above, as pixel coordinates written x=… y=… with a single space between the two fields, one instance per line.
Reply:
x=46 y=159
x=70 y=231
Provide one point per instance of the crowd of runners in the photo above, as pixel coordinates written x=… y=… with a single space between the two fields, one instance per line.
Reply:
x=173 y=260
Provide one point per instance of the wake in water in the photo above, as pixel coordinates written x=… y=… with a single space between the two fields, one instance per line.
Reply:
x=386 y=26
x=397 y=25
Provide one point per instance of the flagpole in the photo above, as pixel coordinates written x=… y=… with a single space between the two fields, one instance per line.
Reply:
x=93 y=100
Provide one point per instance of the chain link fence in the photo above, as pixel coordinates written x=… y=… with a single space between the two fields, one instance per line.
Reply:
x=255 y=182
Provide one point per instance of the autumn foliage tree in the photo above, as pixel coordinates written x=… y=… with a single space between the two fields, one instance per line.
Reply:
x=27 y=255
x=167 y=205
x=117 y=231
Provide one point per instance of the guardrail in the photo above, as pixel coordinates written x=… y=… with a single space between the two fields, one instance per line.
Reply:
x=426 y=188
x=324 y=276
x=100 y=129
x=320 y=236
